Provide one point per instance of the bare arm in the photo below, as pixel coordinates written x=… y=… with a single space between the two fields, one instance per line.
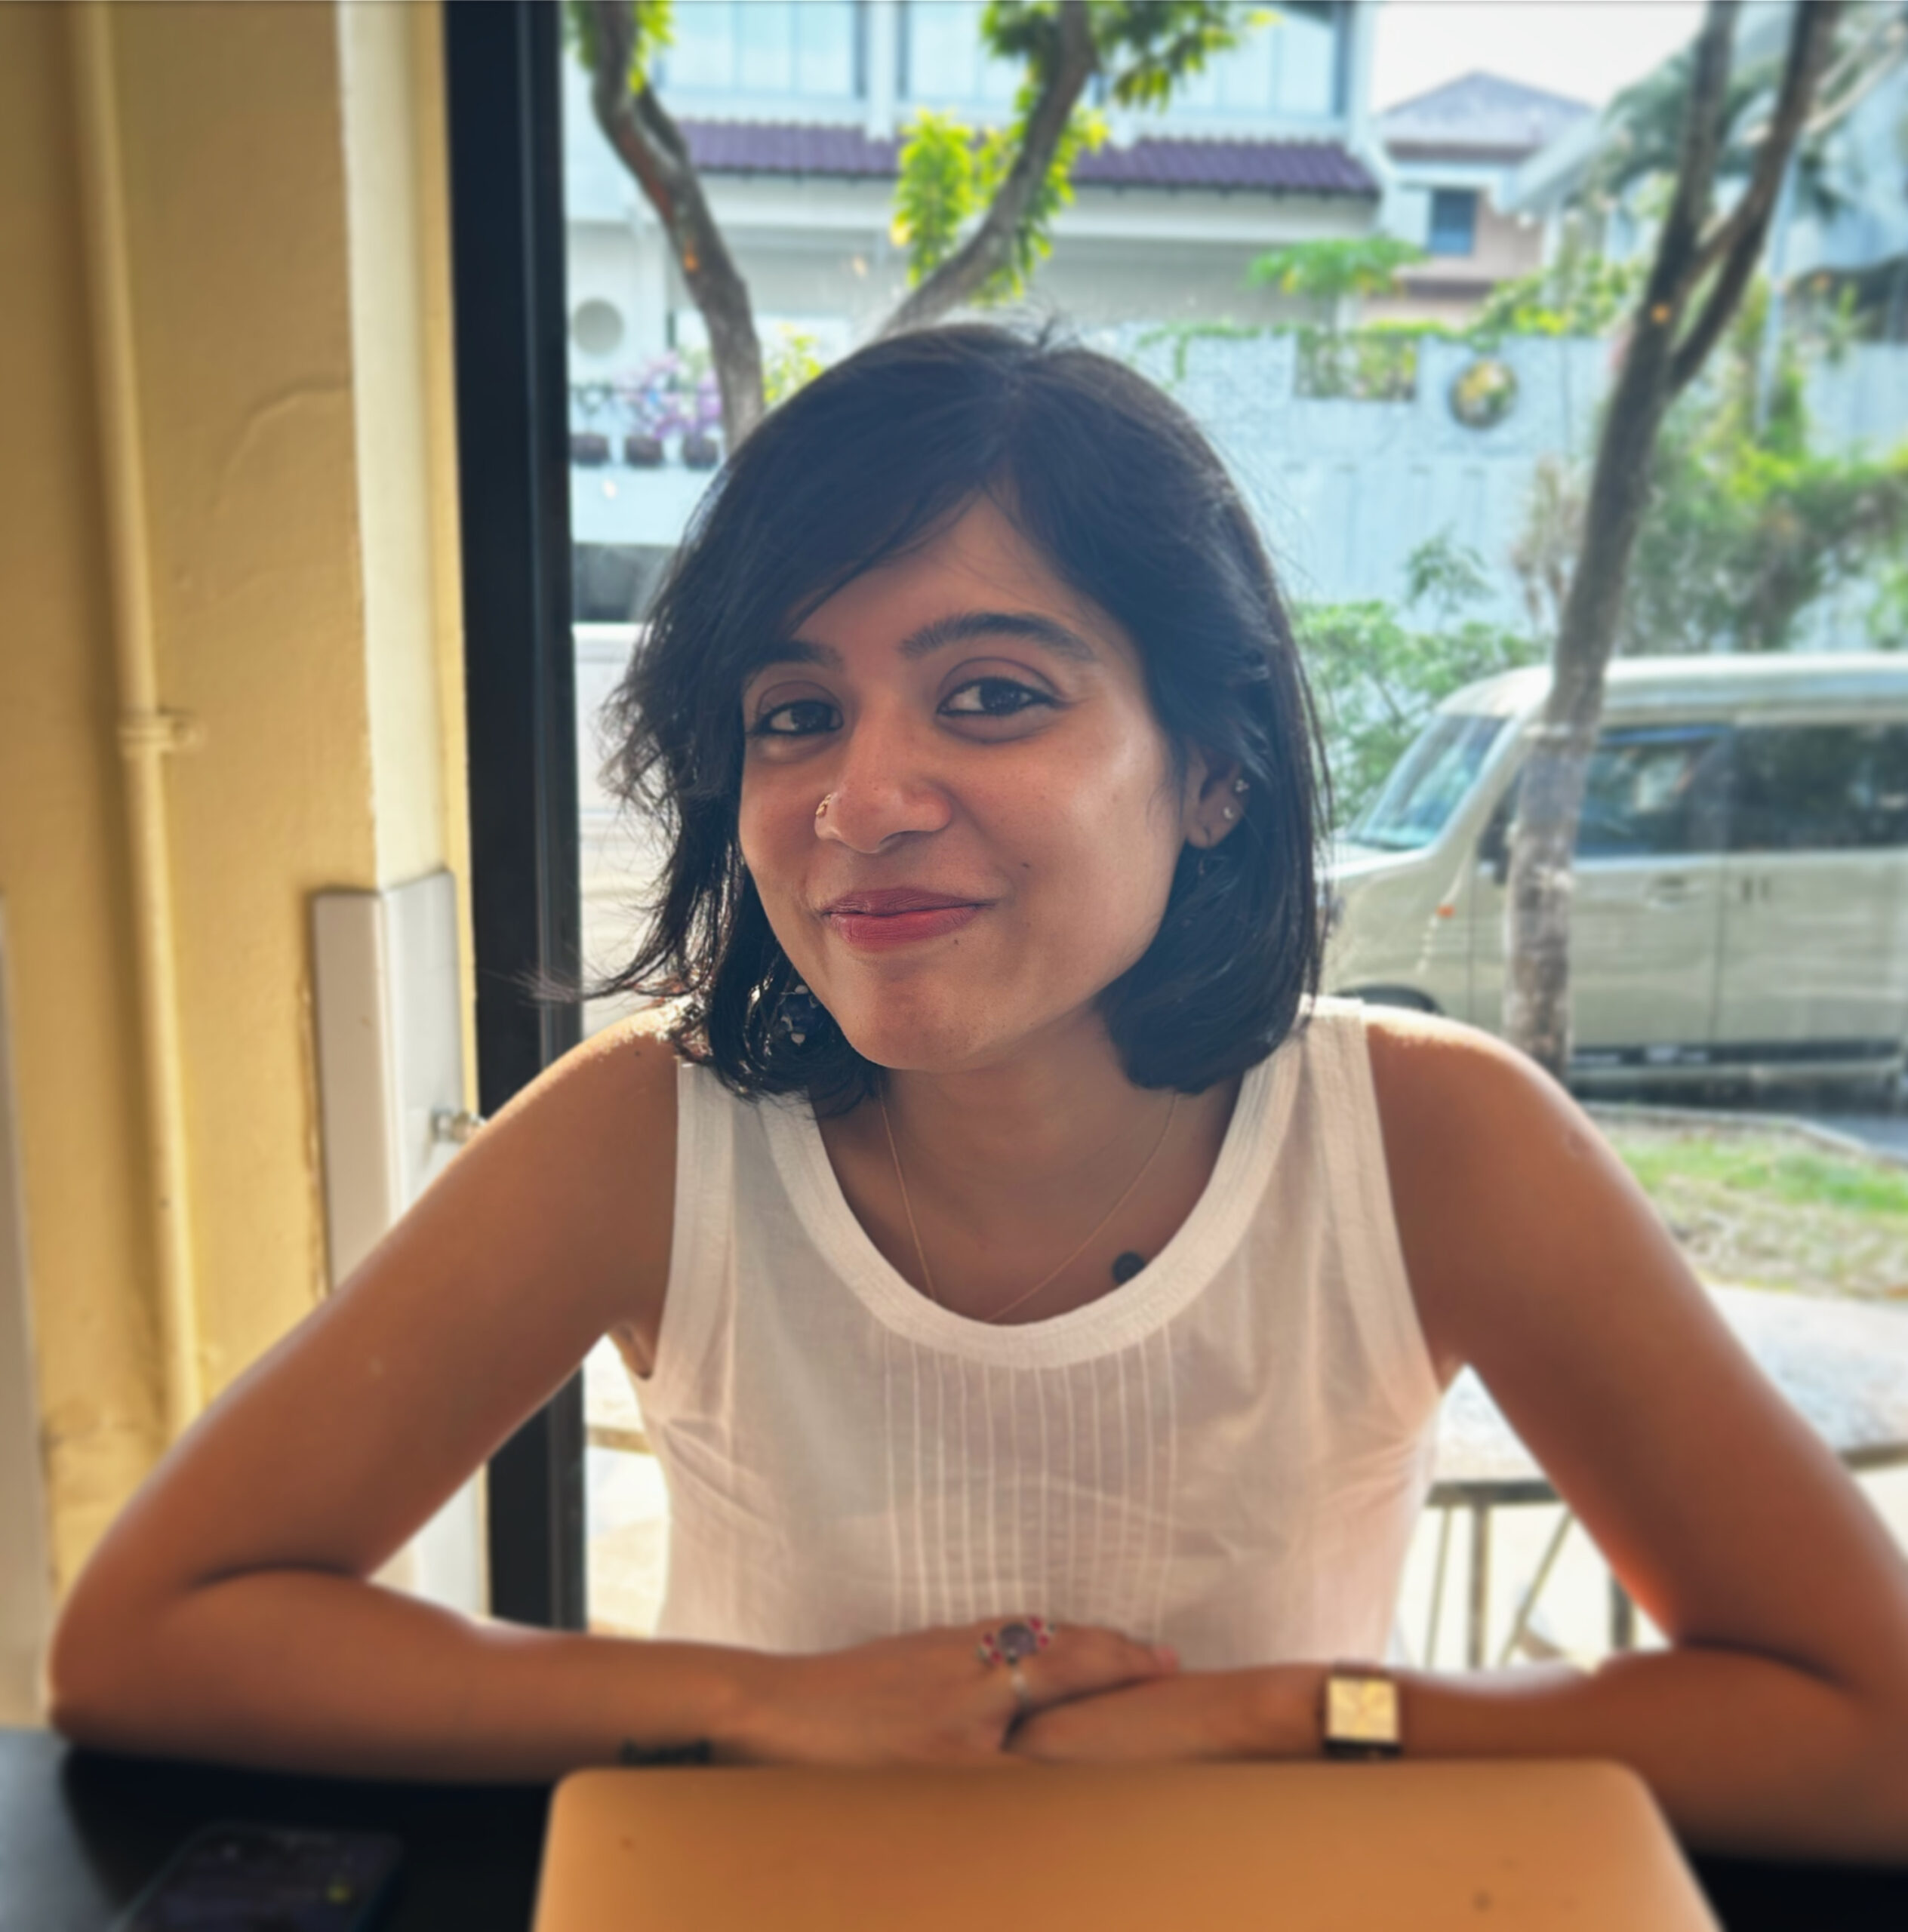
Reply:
x=230 y=1614
x=1777 y=1722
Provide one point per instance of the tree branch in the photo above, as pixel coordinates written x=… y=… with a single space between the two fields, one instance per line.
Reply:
x=650 y=144
x=1736 y=241
x=990 y=248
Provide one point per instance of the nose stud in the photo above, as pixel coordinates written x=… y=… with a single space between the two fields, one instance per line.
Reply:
x=822 y=809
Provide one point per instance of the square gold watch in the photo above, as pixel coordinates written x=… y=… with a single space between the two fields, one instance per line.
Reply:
x=1358 y=1714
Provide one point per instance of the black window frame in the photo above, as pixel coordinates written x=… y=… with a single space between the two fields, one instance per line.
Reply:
x=504 y=114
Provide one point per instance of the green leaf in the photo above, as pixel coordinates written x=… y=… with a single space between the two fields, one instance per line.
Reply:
x=654 y=28
x=1328 y=271
x=937 y=191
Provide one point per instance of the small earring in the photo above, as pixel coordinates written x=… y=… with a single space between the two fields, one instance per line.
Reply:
x=1240 y=787
x=1228 y=813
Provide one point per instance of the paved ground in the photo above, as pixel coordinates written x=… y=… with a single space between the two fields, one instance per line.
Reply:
x=1887 y=1134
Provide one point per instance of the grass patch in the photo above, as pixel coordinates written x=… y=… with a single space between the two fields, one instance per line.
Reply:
x=1772 y=1210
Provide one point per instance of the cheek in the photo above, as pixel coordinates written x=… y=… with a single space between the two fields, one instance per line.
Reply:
x=1110 y=842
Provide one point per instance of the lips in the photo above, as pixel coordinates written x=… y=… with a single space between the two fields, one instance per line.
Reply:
x=889 y=916
x=886 y=901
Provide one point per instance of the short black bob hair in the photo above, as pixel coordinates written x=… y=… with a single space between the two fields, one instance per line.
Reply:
x=1111 y=482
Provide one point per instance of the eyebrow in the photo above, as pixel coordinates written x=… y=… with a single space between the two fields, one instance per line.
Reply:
x=960 y=627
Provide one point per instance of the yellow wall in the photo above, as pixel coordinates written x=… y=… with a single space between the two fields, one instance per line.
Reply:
x=285 y=262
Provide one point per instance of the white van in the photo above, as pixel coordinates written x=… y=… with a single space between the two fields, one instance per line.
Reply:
x=1741 y=898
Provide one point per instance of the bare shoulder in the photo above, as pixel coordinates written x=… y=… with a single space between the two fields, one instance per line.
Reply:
x=1448 y=1092
x=572 y=1183
x=1495 y=1172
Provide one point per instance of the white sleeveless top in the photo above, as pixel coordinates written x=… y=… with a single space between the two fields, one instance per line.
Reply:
x=1227 y=1453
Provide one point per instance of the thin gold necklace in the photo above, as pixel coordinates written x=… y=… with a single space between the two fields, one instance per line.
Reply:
x=1019 y=1301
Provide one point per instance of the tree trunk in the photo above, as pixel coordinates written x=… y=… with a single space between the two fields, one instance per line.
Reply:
x=1656 y=364
x=990 y=248
x=650 y=144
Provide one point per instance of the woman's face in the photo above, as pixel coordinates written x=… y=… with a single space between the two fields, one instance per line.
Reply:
x=1002 y=815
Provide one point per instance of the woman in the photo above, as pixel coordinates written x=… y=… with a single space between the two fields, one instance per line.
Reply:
x=1039 y=1304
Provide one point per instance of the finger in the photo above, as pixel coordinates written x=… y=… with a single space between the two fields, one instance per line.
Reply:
x=1080 y=1661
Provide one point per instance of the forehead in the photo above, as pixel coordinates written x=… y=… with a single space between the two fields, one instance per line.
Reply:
x=978 y=563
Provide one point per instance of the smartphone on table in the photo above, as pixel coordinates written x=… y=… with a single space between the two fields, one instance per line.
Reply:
x=241 y=1878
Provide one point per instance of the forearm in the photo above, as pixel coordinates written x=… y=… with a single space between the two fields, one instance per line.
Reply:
x=1744 y=1754
x=306 y=1670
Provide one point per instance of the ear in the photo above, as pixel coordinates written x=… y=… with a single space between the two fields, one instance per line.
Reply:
x=1212 y=803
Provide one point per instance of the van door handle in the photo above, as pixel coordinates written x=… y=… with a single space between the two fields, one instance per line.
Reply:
x=1669 y=892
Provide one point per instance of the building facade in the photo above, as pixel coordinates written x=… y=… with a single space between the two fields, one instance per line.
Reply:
x=794 y=110
x=1452 y=153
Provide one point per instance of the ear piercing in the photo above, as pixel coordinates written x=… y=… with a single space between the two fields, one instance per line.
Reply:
x=1229 y=812
x=1240 y=787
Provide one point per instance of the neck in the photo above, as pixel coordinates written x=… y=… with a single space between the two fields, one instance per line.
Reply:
x=1024 y=1125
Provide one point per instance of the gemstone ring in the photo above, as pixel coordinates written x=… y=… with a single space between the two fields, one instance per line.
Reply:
x=1010 y=1644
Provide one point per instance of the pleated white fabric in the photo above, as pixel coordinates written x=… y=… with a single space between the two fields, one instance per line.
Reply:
x=1227 y=1453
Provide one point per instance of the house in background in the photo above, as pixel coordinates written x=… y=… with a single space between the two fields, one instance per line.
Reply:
x=794 y=109
x=1854 y=238
x=1451 y=155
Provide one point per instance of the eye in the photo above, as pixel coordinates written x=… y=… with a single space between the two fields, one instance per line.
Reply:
x=992 y=697
x=800 y=718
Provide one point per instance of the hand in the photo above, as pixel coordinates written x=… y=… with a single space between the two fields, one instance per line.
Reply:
x=923 y=1699
x=1266 y=1713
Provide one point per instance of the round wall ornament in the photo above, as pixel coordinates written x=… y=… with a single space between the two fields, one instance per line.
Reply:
x=1483 y=393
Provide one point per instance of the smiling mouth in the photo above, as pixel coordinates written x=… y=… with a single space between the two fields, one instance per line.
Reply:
x=897 y=915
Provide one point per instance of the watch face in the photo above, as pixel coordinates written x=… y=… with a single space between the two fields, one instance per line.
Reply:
x=1361 y=1710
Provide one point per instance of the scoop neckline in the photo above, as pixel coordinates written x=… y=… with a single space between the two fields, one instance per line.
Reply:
x=1168 y=1282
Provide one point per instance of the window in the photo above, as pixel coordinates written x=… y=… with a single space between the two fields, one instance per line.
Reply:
x=1820 y=787
x=804 y=47
x=1453 y=221
x=1653 y=791
x=1429 y=783
x=1288 y=64
x=942 y=58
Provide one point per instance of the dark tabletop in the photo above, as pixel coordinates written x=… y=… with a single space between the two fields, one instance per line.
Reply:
x=81 y=1833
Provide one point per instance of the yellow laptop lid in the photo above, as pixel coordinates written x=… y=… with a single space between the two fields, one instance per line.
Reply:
x=1486 y=1846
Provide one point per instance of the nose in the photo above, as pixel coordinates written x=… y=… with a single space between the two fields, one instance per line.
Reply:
x=883 y=786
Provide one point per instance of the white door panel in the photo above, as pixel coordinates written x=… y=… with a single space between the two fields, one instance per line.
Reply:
x=1645 y=916
x=1816 y=891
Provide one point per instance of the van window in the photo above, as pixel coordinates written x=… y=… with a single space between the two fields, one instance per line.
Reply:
x=1813 y=788
x=1652 y=791
x=1429 y=783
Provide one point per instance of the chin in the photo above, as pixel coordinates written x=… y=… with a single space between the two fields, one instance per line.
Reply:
x=920 y=1043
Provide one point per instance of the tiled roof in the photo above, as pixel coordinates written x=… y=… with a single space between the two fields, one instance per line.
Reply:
x=1479 y=114
x=1271 y=168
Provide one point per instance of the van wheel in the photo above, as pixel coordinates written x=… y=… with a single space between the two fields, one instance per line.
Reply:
x=1412 y=1002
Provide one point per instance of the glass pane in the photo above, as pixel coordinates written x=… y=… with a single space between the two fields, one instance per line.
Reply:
x=1308 y=60
x=765 y=46
x=824 y=48
x=1652 y=792
x=1244 y=77
x=1820 y=787
x=703 y=52
x=1453 y=221
x=1430 y=782
x=945 y=59
x=943 y=49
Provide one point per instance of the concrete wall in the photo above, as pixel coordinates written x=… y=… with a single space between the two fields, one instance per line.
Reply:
x=250 y=218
